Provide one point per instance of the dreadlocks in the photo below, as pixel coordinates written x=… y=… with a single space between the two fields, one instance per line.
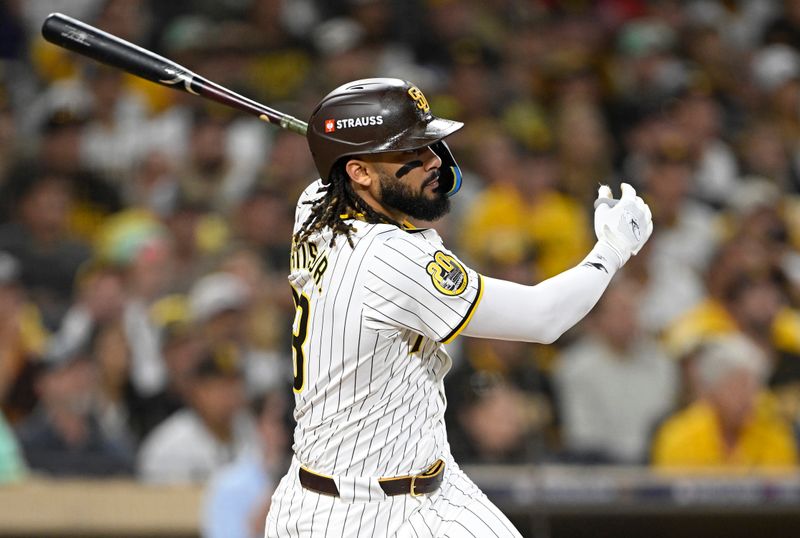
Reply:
x=339 y=199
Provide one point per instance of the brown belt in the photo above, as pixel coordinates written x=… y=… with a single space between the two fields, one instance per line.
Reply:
x=414 y=485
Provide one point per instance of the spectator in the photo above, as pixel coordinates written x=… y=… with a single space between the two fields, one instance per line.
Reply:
x=219 y=307
x=732 y=261
x=38 y=236
x=701 y=120
x=492 y=425
x=198 y=235
x=270 y=311
x=181 y=350
x=113 y=138
x=9 y=140
x=195 y=442
x=734 y=423
x=12 y=465
x=765 y=154
x=238 y=497
x=115 y=396
x=137 y=242
x=584 y=147
x=613 y=384
x=60 y=153
x=63 y=436
x=221 y=157
x=522 y=212
x=263 y=223
x=671 y=265
x=775 y=72
x=288 y=167
x=99 y=298
x=22 y=342
x=686 y=228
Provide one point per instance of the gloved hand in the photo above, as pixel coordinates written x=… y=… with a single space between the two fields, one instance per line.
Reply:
x=624 y=225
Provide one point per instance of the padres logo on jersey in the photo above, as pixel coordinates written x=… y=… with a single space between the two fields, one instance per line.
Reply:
x=448 y=276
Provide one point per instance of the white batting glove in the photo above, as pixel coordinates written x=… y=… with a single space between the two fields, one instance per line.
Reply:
x=624 y=225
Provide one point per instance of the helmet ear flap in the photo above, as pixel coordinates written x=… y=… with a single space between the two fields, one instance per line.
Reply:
x=449 y=173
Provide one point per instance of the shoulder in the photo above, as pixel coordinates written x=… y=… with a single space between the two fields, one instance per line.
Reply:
x=306 y=200
x=411 y=250
x=417 y=243
x=314 y=190
x=418 y=258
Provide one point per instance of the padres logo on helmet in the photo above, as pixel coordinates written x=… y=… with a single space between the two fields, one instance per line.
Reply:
x=447 y=274
x=419 y=99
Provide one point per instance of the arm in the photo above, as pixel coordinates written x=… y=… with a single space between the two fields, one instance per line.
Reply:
x=542 y=313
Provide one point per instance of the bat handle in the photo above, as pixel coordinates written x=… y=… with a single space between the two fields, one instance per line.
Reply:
x=211 y=90
x=293 y=124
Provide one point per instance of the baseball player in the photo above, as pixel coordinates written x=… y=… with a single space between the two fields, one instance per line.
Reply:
x=376 y=300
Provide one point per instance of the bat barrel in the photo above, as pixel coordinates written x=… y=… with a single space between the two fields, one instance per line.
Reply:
x=94 y=43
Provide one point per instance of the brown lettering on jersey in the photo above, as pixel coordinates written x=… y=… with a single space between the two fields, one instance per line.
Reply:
x=318 y=270
x=306 y=257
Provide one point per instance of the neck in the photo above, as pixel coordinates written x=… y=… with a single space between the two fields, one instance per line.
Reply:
x=377 y=206
x=730 y=435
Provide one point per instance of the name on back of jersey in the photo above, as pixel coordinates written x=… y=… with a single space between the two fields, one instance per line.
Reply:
x=306 y=257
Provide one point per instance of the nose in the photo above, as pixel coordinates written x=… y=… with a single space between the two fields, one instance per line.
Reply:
x=431 y=160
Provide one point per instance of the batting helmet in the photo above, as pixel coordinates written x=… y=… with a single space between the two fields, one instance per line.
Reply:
x=379 y=115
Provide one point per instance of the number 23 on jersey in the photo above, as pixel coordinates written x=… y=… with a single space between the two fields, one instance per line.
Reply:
x=299 y=337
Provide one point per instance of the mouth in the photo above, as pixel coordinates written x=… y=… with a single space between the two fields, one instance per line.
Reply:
x=432 y=181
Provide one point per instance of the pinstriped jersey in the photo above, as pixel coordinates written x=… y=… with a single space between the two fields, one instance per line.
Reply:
x=368 y=337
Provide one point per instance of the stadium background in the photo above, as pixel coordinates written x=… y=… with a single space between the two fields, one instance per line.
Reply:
x=144 y=240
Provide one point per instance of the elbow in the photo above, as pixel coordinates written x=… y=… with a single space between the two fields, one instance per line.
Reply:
x=550 y=336
x=551 y=331
x=560 y=318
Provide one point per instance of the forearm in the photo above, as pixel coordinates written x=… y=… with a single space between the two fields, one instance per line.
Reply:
x=543 y=312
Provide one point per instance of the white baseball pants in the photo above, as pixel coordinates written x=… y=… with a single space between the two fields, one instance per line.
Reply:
x=458 y=509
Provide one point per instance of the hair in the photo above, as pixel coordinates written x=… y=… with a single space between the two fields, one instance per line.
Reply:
x=339 y=199
x=724 y=354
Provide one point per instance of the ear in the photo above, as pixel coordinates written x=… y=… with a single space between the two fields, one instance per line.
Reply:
x=359 y=172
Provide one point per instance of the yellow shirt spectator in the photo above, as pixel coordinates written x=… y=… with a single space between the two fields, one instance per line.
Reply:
x=503 y=226
x=735 y=424
x=693 y=438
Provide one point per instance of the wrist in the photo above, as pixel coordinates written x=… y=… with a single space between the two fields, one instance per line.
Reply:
x=606 y=253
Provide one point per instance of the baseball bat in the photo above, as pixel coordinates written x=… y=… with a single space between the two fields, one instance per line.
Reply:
x=89 y=41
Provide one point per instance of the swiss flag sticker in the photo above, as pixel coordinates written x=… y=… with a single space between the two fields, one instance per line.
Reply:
x=330 y=126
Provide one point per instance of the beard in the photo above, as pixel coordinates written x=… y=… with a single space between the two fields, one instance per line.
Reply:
x=398 y=195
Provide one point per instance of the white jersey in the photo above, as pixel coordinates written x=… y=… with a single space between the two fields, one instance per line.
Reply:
x=367 y=343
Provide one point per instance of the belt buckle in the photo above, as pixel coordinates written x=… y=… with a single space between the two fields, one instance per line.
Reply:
x=413 y=487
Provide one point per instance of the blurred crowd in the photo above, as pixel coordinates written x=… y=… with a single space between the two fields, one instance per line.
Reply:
x=144 y=233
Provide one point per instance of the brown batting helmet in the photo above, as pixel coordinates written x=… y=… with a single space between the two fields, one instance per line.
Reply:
x=379 y=115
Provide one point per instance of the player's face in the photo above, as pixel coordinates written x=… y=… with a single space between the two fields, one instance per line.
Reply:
x=409 y=184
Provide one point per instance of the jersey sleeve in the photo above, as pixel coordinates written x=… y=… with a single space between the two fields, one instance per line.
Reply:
x=421 y=286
